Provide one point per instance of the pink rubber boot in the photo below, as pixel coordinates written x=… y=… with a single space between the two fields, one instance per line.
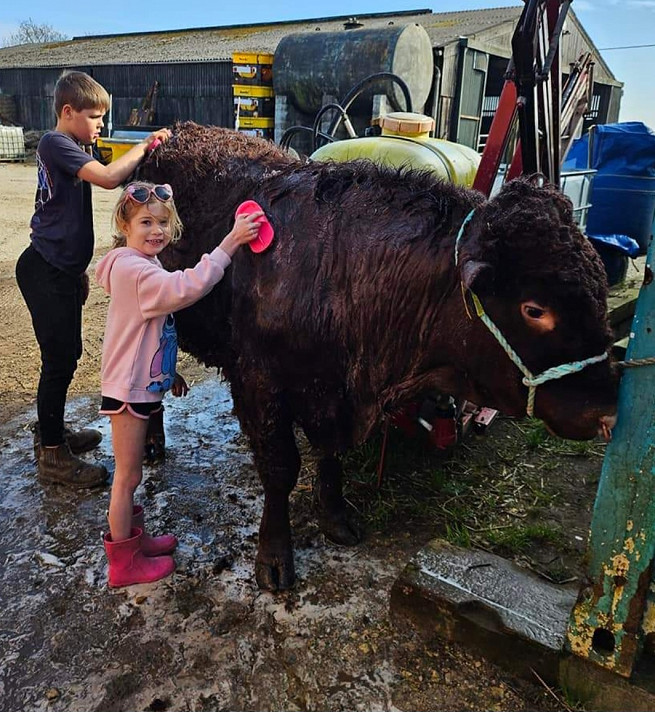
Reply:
x=128 y=565
x=152 y=545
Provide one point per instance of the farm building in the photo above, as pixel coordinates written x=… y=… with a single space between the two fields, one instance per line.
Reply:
x=194 y=69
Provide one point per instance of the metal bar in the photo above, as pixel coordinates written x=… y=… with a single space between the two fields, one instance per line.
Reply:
x=559 y=16
x=556 y=16
x=383 y=451
x=525 y=50
x=497 y=141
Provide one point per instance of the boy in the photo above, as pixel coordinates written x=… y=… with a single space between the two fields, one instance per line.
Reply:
x=51 y=272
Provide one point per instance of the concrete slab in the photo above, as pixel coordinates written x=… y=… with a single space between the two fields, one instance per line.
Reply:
x=504 y=612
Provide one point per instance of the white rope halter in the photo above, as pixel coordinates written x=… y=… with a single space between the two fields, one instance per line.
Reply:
x=529 y=379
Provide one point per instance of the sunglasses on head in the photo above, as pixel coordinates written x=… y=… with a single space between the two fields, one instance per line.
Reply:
x=141 y=194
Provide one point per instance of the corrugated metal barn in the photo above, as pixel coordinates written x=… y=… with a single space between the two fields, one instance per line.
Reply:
x=194 y=68
x=201 y=91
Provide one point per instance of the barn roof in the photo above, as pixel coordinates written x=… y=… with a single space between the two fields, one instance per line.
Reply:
x=200 y=44
x=218 y=43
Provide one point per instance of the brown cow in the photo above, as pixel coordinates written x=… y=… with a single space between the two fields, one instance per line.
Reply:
x=358 y=306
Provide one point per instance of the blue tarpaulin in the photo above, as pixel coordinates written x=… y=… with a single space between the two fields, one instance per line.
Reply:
x=626 y=149
x=623 y=191
x=624 y=244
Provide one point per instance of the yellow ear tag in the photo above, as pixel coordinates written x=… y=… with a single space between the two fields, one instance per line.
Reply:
x=478 y=305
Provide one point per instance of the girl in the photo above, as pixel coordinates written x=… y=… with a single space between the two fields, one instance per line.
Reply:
x=139 y=354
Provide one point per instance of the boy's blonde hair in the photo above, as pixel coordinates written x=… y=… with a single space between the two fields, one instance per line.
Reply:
x=80 y=91
x=126 y=207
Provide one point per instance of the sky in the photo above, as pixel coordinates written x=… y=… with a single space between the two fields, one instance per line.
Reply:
x=609 y=23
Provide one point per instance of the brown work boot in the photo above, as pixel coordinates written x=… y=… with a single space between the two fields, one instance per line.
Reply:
x=58 y=465
x=79 y=441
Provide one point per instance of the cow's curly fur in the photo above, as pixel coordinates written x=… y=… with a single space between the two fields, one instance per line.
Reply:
x=570 y=258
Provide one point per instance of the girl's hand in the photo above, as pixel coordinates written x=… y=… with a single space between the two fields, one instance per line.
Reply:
x=246 y=229
x=179 y=387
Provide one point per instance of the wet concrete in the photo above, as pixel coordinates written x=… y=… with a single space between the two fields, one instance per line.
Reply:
x=207 y=638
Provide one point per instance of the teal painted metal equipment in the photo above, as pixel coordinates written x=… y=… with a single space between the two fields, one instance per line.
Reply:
x=613 y=614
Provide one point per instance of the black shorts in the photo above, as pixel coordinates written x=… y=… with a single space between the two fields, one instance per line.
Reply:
x=112 y=406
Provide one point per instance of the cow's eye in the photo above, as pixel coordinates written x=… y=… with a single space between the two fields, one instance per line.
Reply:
x=538 y=317
x=534 y=312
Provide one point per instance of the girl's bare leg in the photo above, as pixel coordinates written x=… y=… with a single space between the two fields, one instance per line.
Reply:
x=128 y=437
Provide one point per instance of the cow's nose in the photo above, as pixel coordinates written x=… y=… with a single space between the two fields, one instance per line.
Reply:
x=605 y=425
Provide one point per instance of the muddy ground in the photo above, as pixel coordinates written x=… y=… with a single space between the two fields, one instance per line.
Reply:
x=207 y=638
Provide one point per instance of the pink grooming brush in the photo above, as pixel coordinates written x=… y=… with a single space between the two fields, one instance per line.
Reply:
x=265 y=236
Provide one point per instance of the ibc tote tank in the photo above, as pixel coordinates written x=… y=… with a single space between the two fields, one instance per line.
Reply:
x=623 y=190
x=309 y=65
x=406 y=142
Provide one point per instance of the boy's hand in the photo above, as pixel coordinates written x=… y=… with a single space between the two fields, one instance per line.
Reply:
x=179 y=387
x=161 y=135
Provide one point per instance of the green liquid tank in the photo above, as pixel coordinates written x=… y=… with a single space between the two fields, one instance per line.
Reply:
x=406 y=142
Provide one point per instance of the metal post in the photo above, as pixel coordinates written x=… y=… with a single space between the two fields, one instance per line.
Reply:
x=606 y=623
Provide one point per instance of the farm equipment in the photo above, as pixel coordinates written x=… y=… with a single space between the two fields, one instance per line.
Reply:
x=548 y=117
x=139 y=126
x=145 y=114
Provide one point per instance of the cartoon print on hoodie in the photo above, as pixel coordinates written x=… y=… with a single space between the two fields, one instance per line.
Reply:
x=165 y=358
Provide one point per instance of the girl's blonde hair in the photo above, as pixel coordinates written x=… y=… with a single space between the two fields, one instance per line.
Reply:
x=126 y=207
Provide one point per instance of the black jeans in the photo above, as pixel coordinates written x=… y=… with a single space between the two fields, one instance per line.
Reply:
x=54 y=299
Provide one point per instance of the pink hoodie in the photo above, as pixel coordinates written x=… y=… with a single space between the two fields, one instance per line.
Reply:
x=140 y=344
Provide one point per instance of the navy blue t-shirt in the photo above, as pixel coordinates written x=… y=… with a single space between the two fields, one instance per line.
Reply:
x=62 y=224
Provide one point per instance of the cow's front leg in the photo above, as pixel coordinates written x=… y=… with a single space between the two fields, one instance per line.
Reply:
x=336 y=518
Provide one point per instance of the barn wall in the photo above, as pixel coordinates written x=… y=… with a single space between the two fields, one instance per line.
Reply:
x=32 y=90
x=200 y=91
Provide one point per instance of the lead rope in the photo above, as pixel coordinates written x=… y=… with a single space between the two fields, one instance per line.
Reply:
x=529 y=379
x=633 y=362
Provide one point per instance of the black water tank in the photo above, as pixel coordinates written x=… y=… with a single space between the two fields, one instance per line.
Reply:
x=309 y=65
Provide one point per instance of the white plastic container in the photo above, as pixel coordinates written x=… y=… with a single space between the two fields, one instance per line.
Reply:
x=12 y=143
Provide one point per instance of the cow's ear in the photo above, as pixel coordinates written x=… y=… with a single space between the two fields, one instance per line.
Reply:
x=478 y=276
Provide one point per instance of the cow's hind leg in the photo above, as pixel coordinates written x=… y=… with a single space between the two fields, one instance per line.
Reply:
x=336 y=518
x=267 y=424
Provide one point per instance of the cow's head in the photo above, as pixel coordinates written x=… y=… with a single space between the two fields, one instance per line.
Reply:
x=544 y=286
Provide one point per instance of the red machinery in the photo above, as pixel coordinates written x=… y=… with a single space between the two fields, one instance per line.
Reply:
x=548 y=116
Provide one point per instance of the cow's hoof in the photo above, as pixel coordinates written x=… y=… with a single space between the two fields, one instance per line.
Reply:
x=154 y=453
x=274 y=576
x=345 y=528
